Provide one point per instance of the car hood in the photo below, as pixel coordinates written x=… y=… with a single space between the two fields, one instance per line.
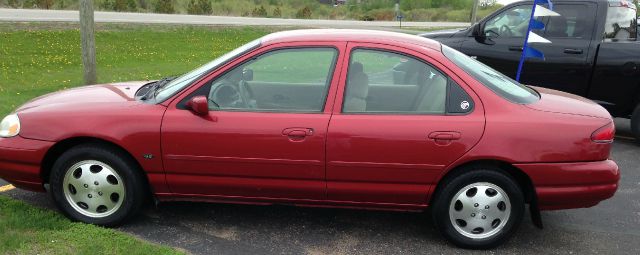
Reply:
x=103 y=93
x=564 y=103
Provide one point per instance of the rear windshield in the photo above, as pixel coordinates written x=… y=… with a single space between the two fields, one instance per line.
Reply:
x=494 y=80
x=621 y=23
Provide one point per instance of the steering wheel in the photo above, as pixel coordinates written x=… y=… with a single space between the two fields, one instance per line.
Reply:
x=505 y=30
x=247 y=94
x=229 y=96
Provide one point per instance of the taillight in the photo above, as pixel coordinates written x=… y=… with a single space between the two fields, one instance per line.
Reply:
x=604 y=134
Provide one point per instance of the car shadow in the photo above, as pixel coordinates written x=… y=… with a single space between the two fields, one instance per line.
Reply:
x=206 y=228
x=203 y=228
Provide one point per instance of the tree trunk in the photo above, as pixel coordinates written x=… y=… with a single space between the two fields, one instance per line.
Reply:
x=88 y=41
x=474 y=11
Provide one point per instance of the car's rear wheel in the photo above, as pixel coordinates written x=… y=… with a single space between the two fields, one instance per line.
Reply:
x=635 y=123
x=97 y=185
x=478 y=209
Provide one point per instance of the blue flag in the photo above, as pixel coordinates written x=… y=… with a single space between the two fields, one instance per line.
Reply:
x=528 y=51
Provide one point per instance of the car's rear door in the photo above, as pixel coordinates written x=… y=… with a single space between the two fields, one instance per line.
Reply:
x=569 y=60
x=266 y=139
x=393 y=132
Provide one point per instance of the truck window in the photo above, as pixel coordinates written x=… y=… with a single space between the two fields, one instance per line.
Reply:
x=621 y=22
x=510 y=23
x=571 y=24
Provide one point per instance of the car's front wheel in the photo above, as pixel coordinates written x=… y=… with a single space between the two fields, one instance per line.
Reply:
x=96 y=185
x=478 y=209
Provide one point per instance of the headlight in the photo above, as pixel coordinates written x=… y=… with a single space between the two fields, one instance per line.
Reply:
x=10 y=126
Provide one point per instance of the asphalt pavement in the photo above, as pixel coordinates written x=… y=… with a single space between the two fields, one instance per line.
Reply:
x=34 y=15
x=612 y=227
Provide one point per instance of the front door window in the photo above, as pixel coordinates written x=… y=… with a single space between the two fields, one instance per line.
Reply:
x=510 y=23
x=287 y=80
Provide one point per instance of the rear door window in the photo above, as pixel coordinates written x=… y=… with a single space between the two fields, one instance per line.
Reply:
x=573 y=22
x=384 y=82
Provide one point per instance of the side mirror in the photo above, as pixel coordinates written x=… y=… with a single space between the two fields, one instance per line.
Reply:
x=476 y=31
x=199 y=105
x=480 y=35
x=247 y=74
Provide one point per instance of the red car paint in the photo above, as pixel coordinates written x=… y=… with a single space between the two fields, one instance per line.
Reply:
x=343 y=160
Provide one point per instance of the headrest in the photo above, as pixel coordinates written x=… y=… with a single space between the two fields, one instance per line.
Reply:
x=356 y=67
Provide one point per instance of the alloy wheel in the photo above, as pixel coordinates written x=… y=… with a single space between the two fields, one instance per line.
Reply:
x=93 y=189
x=480 y=210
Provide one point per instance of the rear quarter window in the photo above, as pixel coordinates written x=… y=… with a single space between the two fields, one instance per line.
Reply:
x=621 y=22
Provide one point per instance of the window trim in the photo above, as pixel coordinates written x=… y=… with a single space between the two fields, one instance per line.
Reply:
x=446 y=102
x=182 y=105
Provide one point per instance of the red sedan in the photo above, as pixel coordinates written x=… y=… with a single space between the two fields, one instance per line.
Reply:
x=338 y=118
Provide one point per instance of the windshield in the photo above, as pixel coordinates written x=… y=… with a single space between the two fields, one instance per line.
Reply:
x=494 y=80
x=181 y=82
x=621 y=23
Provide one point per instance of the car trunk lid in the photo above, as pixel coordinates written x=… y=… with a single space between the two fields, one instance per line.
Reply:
x=565 y=103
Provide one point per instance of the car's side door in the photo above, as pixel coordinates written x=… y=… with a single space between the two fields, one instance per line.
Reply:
x=501 y=45
x=264 y=136
x=393 y=132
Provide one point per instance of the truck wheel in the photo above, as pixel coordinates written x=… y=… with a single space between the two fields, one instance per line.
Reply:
x=635 y=123
x=479 y=209
x=97 y=185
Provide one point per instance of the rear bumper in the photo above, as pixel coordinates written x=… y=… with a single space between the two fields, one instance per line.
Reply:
x=572 y=185
x=20 y=160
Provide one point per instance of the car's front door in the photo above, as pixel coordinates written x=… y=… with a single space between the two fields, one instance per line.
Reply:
x=504 y=33
x=265 y=134
x=395 y=129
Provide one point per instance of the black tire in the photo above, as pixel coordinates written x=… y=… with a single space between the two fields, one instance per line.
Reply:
x=480 y=174
x=635 y=123
x=118 y=161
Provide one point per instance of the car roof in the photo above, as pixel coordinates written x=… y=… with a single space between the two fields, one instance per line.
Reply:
x=349 y=35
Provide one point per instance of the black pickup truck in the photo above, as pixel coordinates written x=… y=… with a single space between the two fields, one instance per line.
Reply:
x=594 y=51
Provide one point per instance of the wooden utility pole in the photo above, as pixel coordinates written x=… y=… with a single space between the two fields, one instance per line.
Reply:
x=88 y=41
x=474 y=10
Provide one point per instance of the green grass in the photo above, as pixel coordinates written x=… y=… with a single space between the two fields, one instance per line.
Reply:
x=37 y=58
x=25 y=229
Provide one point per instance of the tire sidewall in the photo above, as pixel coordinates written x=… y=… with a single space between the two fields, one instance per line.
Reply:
x=441 y=208
x=118 y=163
